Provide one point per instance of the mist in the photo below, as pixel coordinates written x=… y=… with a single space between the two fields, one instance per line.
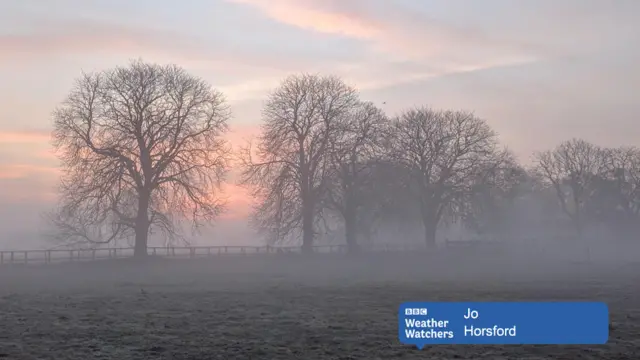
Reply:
x=355 y=211
x=293 y=305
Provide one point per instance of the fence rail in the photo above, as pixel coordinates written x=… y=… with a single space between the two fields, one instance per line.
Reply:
x=468 y=247
x=76 y=255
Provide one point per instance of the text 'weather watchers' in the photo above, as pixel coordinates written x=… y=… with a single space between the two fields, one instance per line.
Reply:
x=431 y=323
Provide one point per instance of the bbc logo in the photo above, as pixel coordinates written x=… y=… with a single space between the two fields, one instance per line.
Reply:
x=415 y=311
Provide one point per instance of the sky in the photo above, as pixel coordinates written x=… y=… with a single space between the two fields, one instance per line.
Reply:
x=539 y=71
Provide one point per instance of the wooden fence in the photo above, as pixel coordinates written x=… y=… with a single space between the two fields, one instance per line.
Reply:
x=74 y=255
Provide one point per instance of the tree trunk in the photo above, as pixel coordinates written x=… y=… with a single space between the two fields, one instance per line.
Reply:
x=142 y=236
x=350 y=231
x=579 y=228
x=430 y=229
x=307 y=229
x=351 y=227
x=142 y=228
x=429 y=212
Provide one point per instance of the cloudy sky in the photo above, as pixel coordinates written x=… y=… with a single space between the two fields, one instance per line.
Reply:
x=539 y=71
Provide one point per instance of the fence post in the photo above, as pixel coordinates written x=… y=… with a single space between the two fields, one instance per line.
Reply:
x=26 y=257
x=1 y=257
x=192 y=252
x=209 y=251
x=93 y=254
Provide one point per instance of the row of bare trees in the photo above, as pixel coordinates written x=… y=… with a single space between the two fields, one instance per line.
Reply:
x=143 y=148
x=323 y=152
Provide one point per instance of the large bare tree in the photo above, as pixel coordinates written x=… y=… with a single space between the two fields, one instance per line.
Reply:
x=441 y=151
x=354 y=151
x=572 y=169
x=142 y=148
x=288 y=170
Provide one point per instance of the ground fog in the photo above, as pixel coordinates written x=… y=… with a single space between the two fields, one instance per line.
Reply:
x=290 y=306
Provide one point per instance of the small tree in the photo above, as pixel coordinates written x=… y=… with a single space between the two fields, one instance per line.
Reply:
x=141 y=147
x=615 y=200
x=572 y=169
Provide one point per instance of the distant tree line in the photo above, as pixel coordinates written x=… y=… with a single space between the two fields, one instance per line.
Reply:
x=143 y=148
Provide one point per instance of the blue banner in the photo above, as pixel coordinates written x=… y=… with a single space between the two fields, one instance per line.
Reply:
x=501 y=323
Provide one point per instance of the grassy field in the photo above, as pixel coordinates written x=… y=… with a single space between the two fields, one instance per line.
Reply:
x=288 y=307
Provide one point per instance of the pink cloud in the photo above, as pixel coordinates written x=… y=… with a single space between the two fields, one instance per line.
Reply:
x=240 y=72
x=84 y=37
x=18 y=171
x=25 y=136
x=312 y=16
x=398 y=33
x=22 y=182
x=78 y=37
x=46 y=155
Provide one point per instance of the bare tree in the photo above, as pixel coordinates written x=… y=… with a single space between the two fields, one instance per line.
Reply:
x=441 y=150
x=616 y=192
x=142 y=148
x=289 y=175
x=487 y=206
x=623 y=165
x=386 y=202
x=571 y=169
x=354 y=151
